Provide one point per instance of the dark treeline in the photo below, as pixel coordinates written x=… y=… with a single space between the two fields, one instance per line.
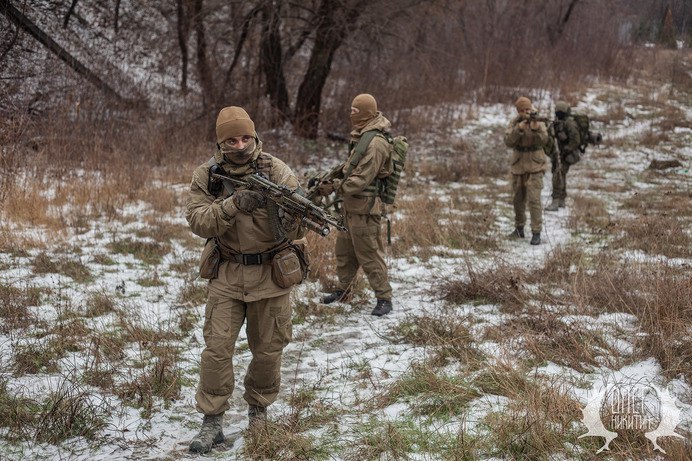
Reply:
x=299 y=63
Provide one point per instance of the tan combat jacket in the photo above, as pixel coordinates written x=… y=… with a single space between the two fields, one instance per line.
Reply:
x=376 y=162
x=243 y=233
x=527 y=144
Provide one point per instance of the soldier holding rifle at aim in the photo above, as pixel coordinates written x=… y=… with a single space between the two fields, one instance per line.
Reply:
x=244 y=202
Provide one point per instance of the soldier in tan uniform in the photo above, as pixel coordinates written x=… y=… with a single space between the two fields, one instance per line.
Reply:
x=248 y=229
x=527 y=136
x=362 y=244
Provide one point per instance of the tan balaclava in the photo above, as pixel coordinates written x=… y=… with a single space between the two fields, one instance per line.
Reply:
x=233 y=122
x=366 y=110
x=522 y=104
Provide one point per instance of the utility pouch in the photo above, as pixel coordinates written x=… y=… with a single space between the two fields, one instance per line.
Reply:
x=210 y=260
x=290 y=266
x=572 y=157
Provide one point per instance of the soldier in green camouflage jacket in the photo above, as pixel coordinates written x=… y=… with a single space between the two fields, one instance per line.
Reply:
x=566 y=133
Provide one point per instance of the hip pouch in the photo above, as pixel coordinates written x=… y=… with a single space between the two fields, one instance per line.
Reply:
x=210 y=260
x=290 y=266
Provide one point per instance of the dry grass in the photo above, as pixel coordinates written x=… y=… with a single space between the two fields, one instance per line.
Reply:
x=501 y=284
x=431 y=393
x=427 y=223
x=656 y=235
x=446 y=334
x=547 y=337
x=657 y=294
x=163 y=379
x=589 y=214
x=275 y=441
x=43 y=263
x=535 y=424
x=147 y=251
x=14 y=306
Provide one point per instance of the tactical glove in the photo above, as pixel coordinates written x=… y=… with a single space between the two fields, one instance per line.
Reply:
x=248 y=200
x=327 y=187
x=289 y=223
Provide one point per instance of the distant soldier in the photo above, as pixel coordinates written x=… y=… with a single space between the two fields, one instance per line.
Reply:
x=247 y=231
x=527 y=136
x=566 y=132
x=362 y=245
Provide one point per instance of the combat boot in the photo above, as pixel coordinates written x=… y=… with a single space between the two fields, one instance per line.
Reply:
x=536 y=238
x=257 y=416
x=561 y=203
x=336 y=295
x=554 y=205
x=517 y=233
x=209 y=435
x=384 y=306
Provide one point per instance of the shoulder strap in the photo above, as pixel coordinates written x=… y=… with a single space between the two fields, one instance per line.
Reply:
x=264 y=166
x=213 y=165
x=359 y=150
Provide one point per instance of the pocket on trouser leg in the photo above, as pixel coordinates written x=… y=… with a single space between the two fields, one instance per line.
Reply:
x=282 y=325
x=216 y=366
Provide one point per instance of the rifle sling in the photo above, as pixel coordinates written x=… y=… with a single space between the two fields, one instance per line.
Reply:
x=359 y=150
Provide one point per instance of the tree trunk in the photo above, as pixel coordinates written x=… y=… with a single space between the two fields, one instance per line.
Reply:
x=116 y=19
x=335 y=19
x=271 y=61
x=183 y=35
x=203 y=68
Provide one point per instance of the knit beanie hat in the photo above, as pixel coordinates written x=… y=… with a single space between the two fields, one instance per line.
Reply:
x=523 y=103
x=367 y=109
x=233 y=121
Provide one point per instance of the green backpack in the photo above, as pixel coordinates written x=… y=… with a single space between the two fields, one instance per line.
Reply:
x=586 y=136
x=386 y=187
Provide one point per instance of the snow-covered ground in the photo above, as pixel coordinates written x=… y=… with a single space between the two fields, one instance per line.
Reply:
x=346 y=361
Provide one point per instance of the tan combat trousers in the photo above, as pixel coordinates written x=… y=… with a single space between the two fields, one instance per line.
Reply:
x=527 y=189
x=268 y=332
x=362 y=246
x=560 y=180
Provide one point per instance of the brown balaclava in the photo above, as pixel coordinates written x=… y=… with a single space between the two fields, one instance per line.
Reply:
x=523 y=103
x=232 y=122
x=366 y=110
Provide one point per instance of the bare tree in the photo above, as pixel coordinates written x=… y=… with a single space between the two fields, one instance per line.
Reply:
x=183 y=29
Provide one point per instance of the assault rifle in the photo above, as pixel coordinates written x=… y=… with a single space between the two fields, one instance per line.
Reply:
x=311 y=216
x=533 y=116
x=314 y=182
